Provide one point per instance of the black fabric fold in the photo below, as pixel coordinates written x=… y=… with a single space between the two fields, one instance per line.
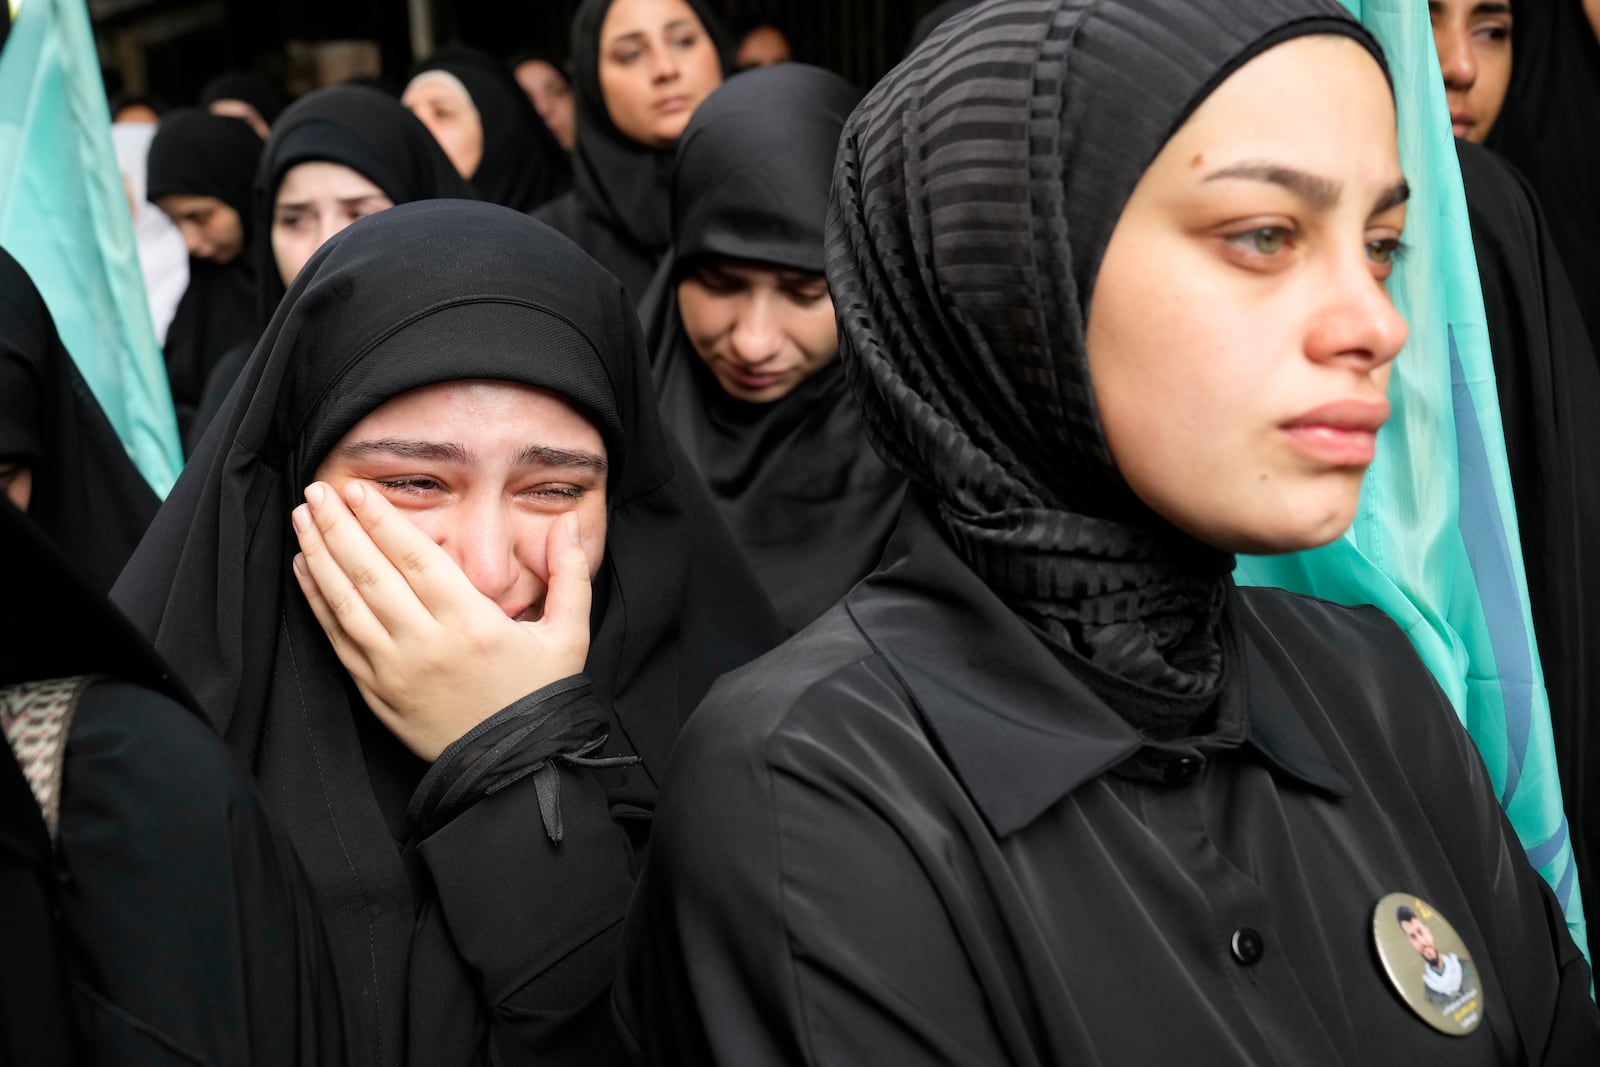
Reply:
x=87 y=495
x=985 y=401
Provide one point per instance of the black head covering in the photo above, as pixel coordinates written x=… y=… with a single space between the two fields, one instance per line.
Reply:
x=424 y=293
x=964 y=340
x=622 y=182
x=88 y=497
x=523 y=164
x=196 y=153
x=253 y=89
x=811 y=504
x=365 y=130
x=934 y=19
x=1547 y=129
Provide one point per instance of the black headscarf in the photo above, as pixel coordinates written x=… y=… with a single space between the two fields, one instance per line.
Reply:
x=811 y=504
x=365 y=130
x=252 y=89
x=1548 y=381
x=196 y=153
x=523 y=165
x=620 y=184
x=1547 y=130
x=934 y=19
x=425 y=293
x=964 y=340
x=88 y=497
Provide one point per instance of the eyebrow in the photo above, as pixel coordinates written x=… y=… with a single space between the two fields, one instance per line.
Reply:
x=545 y=456
x=641 y=35
x=343 y=201
x=1320 y=192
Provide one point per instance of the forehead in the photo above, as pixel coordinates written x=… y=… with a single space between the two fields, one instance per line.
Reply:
x=643 y=16
x=486 y=417
x=321 y=177
x=189 y=203
x=429 y=88
x=1317 y=102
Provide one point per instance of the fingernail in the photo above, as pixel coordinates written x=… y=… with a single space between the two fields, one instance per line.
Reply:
x=574 y=532
x=355 y=492
x=301 y=518
x=300 y=564
x=314 y=494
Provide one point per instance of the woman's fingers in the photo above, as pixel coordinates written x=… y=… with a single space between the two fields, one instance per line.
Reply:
x=350 y=654
x=568 y=597
x=345 y=602
x=434 y=578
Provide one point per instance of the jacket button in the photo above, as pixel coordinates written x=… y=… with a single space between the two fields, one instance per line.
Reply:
x=1181 y=770
x=1247 y=946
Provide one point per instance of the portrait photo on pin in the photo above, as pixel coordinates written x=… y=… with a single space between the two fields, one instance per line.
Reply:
x=1428 y=964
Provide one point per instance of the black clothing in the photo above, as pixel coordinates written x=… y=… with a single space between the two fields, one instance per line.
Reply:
x=183 y=929
x=971 y=371
x=473 y=936
x=88 y=497
x=1546 y=128
x=886 y=843
x=617 y=210
x=1548 y=380
x=809 y=502
x=364 y=130
x=252 y=89
x=934 y=19
x=360 y=128
x=195 y=153
x=523 y=165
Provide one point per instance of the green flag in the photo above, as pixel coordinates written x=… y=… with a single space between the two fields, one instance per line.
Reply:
x=64 y=216
x=1435 y=544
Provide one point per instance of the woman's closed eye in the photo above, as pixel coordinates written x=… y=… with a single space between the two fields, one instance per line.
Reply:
x=411 y=485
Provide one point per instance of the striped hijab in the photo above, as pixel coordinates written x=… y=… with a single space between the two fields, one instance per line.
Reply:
x=976 y=191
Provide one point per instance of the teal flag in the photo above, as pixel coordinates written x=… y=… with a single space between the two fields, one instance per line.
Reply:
x=1435 y=544
x=64 y=216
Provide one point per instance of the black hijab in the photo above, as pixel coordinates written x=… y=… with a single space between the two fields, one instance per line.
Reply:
x=964 y=340
x=523 y=165
x=365 y=130
x=196 y=153
x=88 y=497
x=620 y=184
x=1547 y=129
x=252 y=89
x=811 y=504
x=1548 y=381
x=424 y=293
x=934 y=19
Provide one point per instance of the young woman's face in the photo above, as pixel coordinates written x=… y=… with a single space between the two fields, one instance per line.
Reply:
x=656 y=64
x=1240 y=334
x=211 y=229
x=761 y=330
x=484 y=469
x=451 y=117
x=1473 y=39
x=315 y=201
x=552 y=98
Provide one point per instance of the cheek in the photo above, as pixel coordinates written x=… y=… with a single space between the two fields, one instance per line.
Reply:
x=626 y=92
x=706 y=318
x=816 y=332
x=703 y=66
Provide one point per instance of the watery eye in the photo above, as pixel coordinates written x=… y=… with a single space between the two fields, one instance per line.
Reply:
x=1269 y=240
x=1386 y=251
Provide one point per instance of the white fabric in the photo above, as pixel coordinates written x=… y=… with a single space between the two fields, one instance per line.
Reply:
x=163 y=259
x=1448 y=981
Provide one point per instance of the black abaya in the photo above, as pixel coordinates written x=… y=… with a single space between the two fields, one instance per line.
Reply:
x=1548 y=381
x=177 y=921
x=809 y=501
x=88 y=497
x=523 y=165
x=195 y=153
x=618 y=209
x=472 y=935
x=1547 y=127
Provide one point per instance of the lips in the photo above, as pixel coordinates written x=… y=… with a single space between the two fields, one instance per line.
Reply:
x=672 y=104
x=1340 y=434
x=1462 y=123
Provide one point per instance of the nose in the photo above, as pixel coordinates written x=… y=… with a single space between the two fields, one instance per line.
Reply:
x=755 y=337
x=480 y=538
x=194 y=240
x=1456 y=61
x=666 y=64
x=1357 y=324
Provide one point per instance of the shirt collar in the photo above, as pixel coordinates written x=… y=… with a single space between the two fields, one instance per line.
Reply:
x=1020 y=728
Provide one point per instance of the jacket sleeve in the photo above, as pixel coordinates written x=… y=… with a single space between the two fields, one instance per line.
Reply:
x=532 y=875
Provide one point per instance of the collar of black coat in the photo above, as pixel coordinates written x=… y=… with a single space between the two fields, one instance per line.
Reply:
x=1018 y=726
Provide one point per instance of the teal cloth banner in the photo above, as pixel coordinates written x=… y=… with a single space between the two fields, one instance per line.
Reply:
x=64 y=216
x=1435 y=544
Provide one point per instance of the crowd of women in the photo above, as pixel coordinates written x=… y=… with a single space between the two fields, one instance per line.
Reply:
x=906 y=440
